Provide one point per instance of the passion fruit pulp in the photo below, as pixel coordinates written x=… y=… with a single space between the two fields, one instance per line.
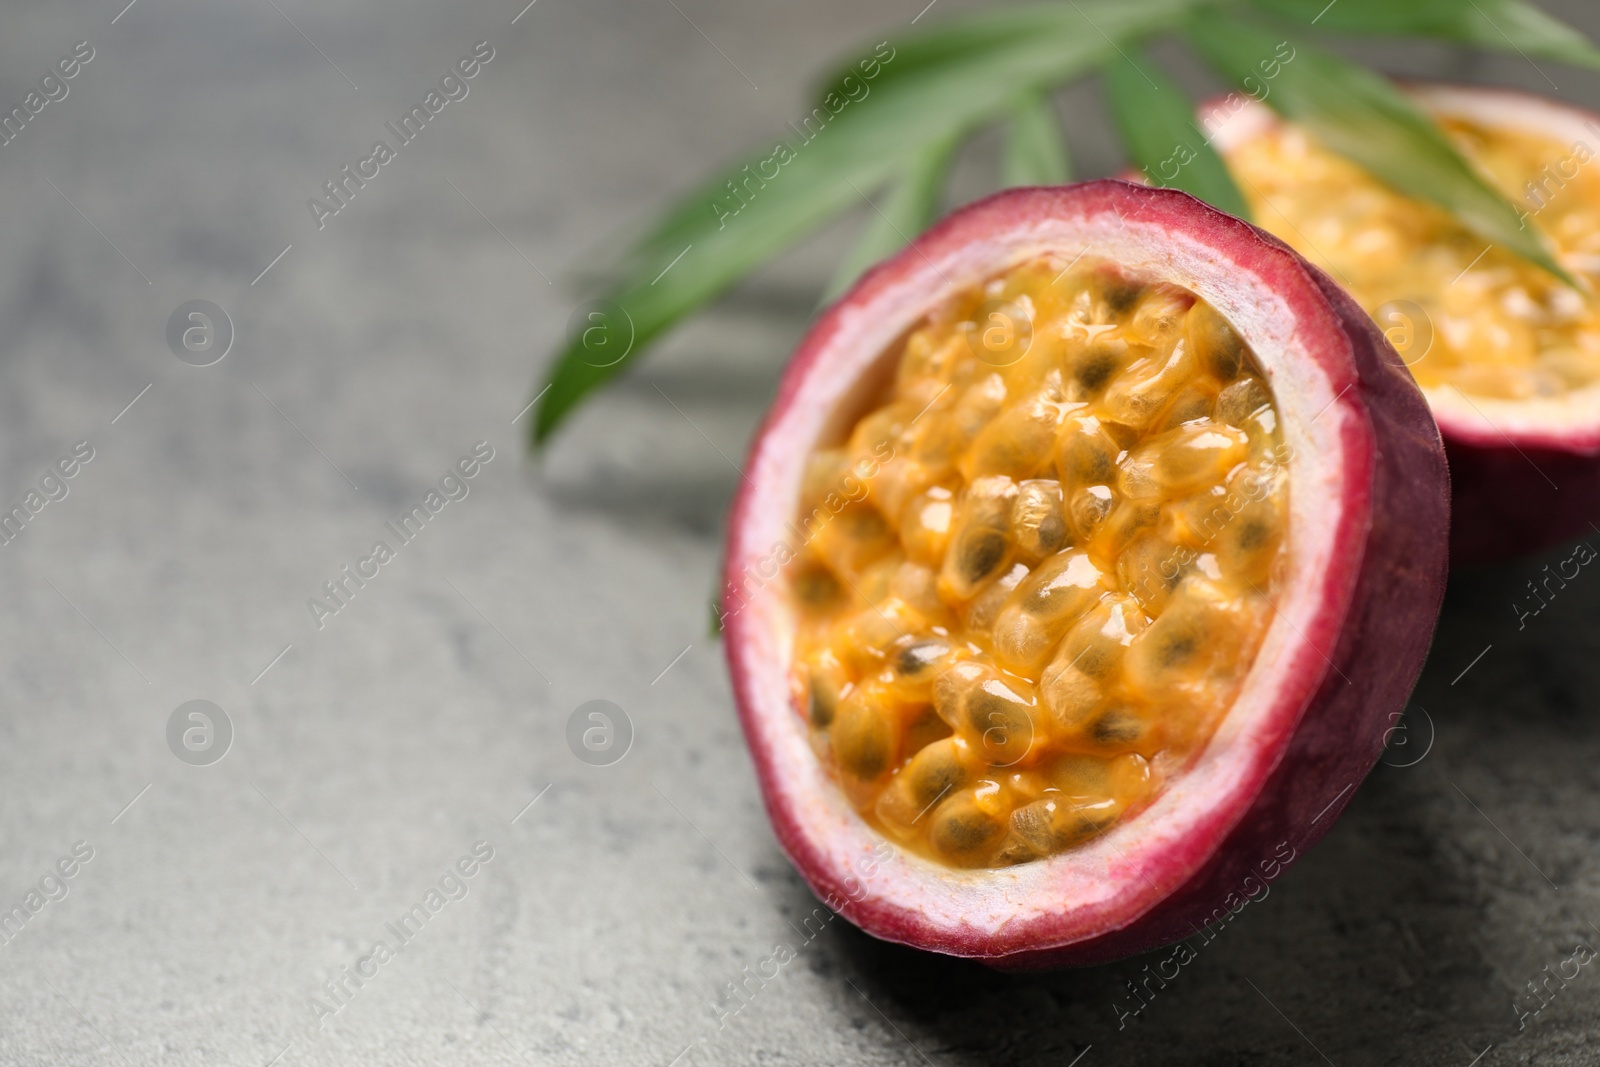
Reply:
x=1507 y=355
x=1089 y=550
x=1052 y=560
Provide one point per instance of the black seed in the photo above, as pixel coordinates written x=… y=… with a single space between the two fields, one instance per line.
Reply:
x=1002 y=726
x=1177 y=648
x=862 y=741
x=865 y=524
x=1091 y=463
x=865 y=752
x=1121 y=296
x=981 y=552
x=1115 y=728
x=965 y=831
x=1093 y=655
x=823 y=706
x=937 y=778
x=914 y=659
x=1252 y=535
x=1227 y=356
x=816 y=587
x=1094 y=367
x=984 y=709
x=1052 y=532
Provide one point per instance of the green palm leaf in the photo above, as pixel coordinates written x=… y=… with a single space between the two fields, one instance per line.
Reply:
x=1365 y=118
x=1158 y=126
x=1036 y=153
x=895 y=220
x=720 y=233
x=1511 y=25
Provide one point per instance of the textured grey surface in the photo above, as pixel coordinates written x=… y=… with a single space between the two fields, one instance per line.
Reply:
x=430 y=711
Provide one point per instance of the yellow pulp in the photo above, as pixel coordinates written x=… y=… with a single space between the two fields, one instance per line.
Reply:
x=1035 y=574
x=1459 y=312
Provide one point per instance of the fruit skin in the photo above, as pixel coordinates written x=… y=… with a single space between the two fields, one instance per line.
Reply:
x=1519 y=483
x=1366 y=600
x=1513 y=508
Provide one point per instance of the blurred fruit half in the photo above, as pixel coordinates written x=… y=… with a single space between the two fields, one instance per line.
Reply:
x=1507 y=355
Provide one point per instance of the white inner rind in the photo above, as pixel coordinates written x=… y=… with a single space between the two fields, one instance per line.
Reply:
x=1111 y=881
x=1570 y=421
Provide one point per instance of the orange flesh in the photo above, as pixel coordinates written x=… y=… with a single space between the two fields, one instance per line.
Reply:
x=1486 y=322
x=1037 y=570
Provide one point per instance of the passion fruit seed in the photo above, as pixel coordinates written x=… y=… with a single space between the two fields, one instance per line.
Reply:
x=964 y=827
x=1485 y=321
x=826 y=682
x=979 y=615
x=1009 y=650
x=1057 y=822
x=1090 y=507
x=1037 y=524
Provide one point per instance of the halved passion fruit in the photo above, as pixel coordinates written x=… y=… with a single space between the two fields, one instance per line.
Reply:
x=1507 y=355
x=1091 y=548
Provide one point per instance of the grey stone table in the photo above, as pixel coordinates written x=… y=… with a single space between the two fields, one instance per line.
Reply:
x=398 y=770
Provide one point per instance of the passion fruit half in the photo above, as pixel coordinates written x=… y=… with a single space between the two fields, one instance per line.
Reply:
x=1507 y=355
x=1090 y=550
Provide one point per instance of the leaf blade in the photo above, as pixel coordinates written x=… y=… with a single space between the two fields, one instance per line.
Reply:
x=966 y=35
x=721 y=234
x=1035 y=152
x=894 y=222
x=1364 y=118
x=1052 y=42
x=1509 y=25
x=1157 y=124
